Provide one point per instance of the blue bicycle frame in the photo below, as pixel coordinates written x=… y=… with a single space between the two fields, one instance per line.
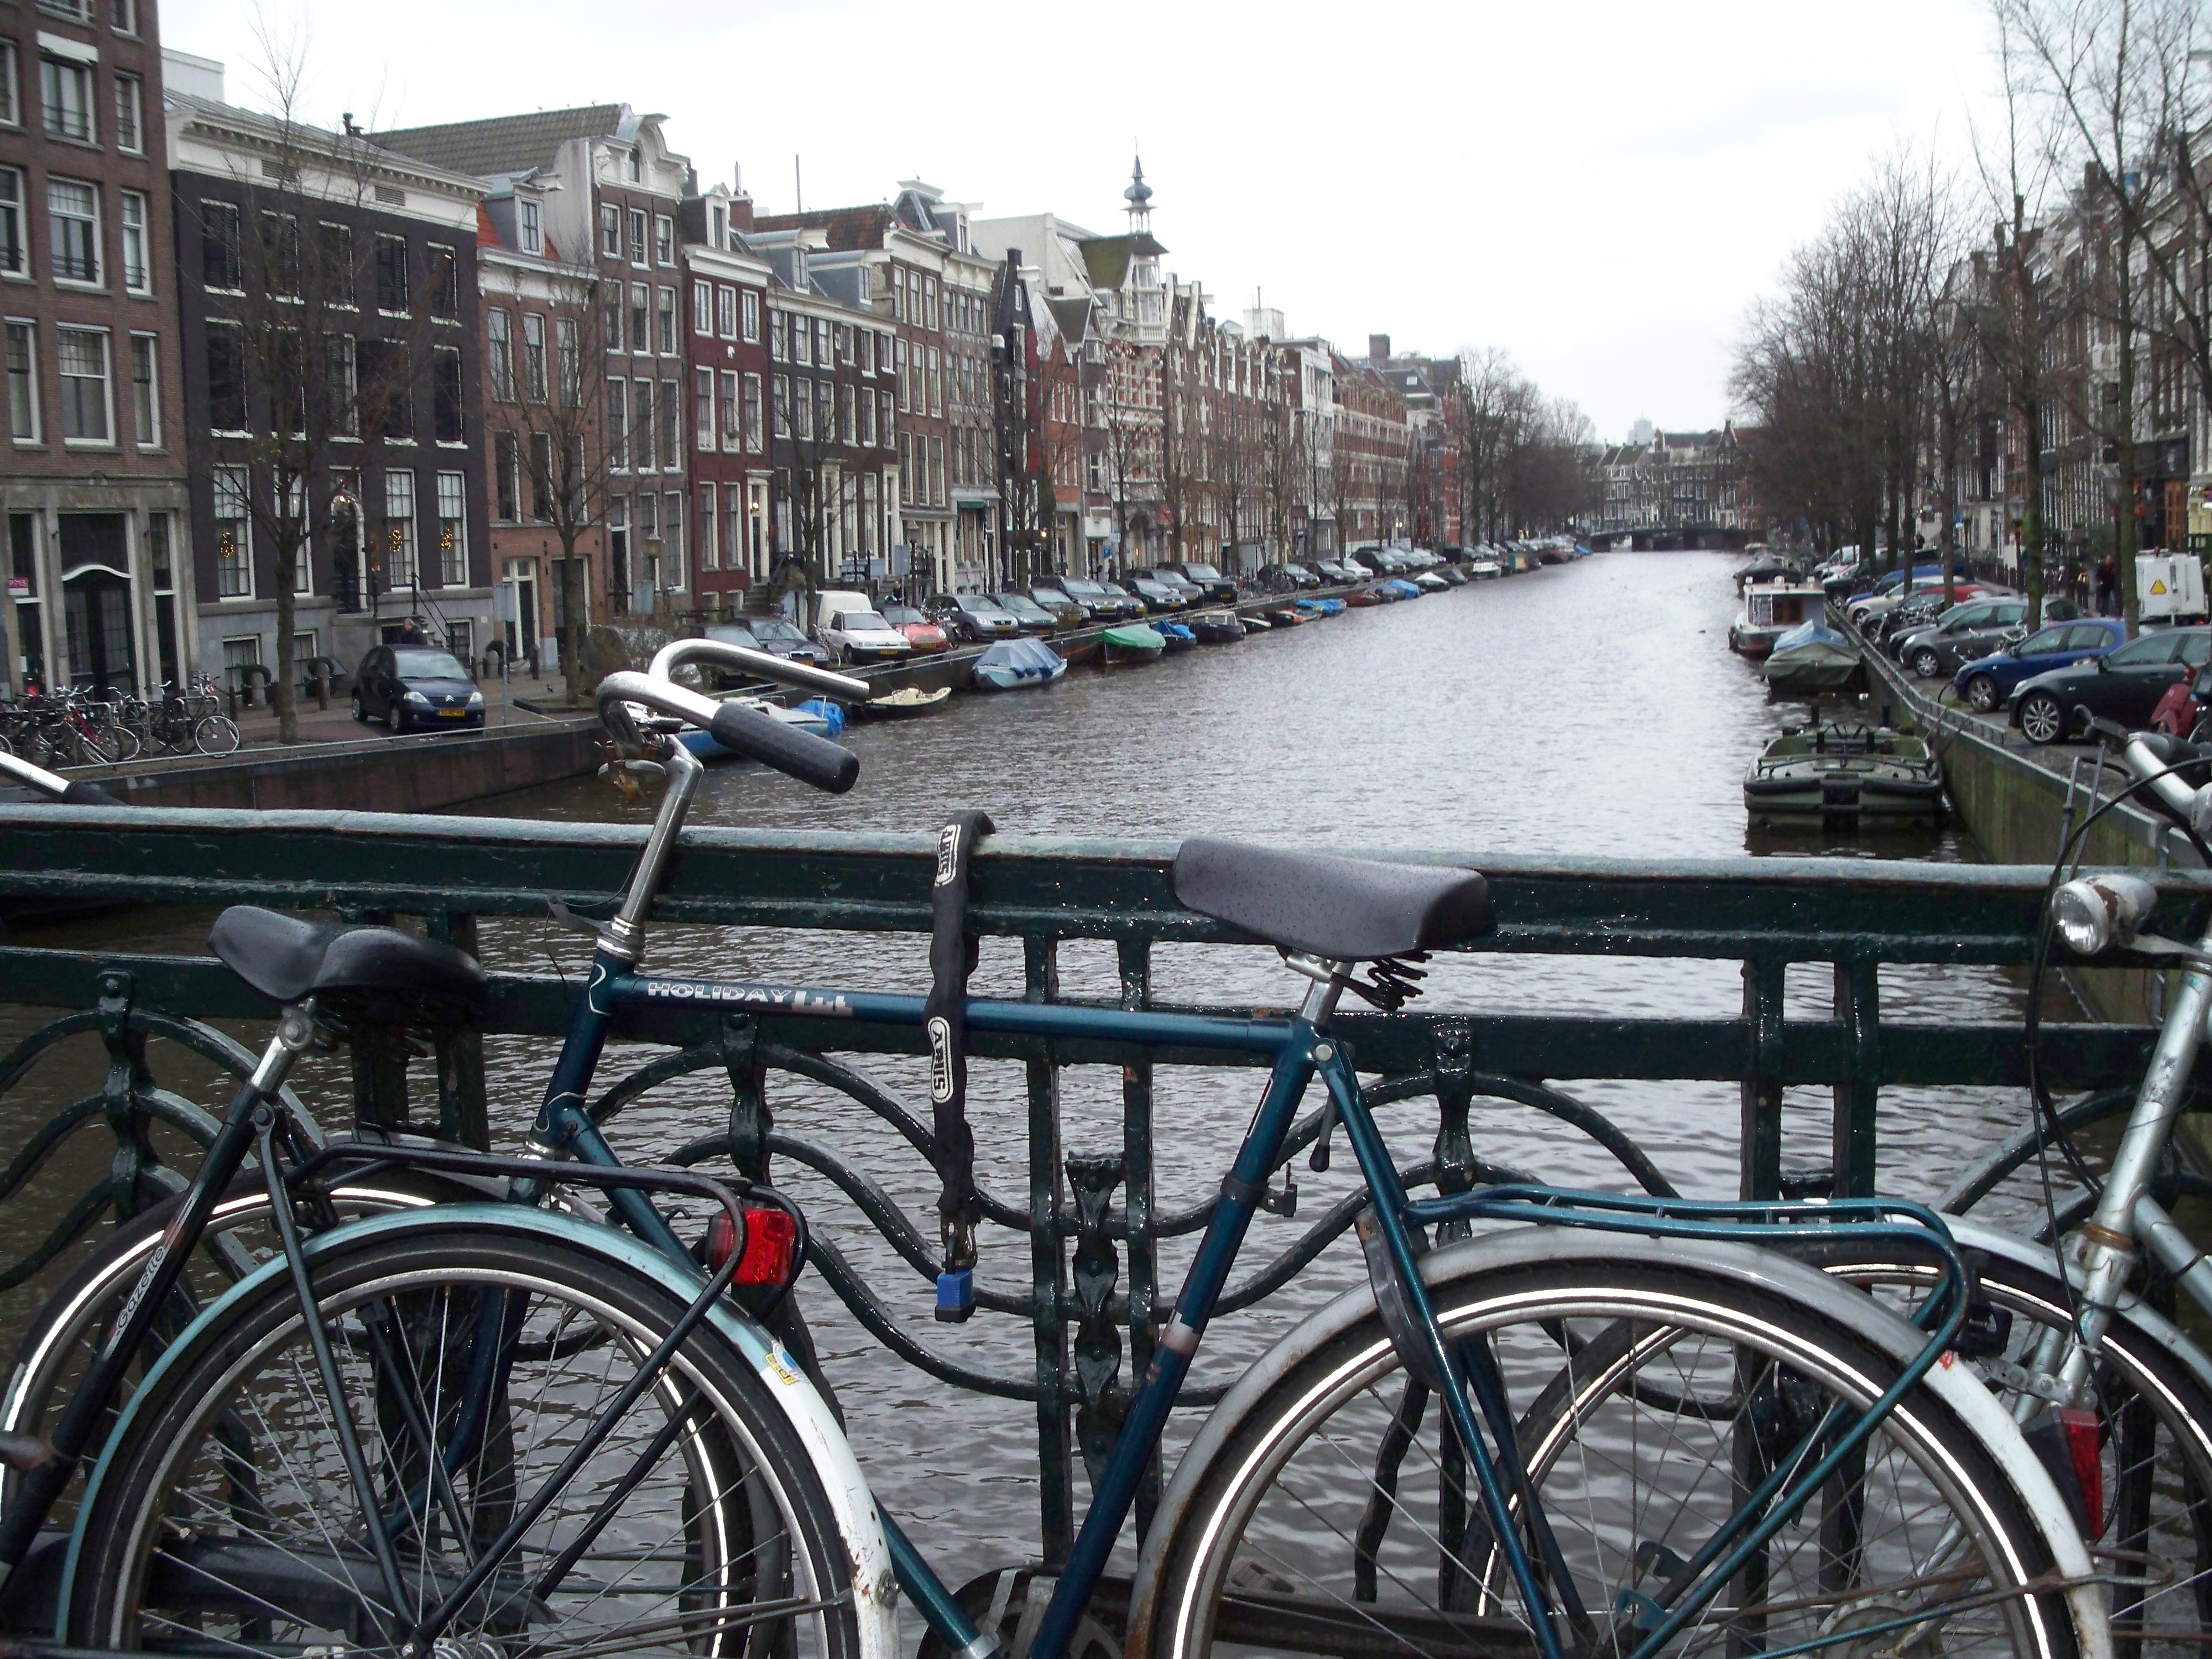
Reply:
x=1298 y=1049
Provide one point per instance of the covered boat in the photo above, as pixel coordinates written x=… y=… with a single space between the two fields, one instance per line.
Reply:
x=1175 y=635
x=1402 y=588
x=1133 y=642
x=1015 y=663
x=1321 y=607
x=1810 y=659
x=1771 y=610
x=806 y=717
x=1843 y=777
x=906 y=702
x=1217 y=627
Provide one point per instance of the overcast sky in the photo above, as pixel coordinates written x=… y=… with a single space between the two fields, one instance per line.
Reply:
x=1598 y=187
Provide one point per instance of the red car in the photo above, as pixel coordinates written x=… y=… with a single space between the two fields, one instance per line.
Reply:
x=923 y=635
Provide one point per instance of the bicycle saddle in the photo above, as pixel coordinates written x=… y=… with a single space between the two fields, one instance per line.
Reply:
x=1343 y=910
x=352 y=967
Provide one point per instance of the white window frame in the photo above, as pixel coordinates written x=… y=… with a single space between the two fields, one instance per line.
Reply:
x=303 y=557
x=725 y=311
x=53 y=242
x=610 y=219
x=756 y=436
x=130 y=100
x=732 y=416
x=666 y=337
x=231 y=484
x=664 y=241
x=499 y=354
x=749 y=311
x=106 y=384
x=142 y=233
x=149 y=435
x=15 y=261
x=702 y=305
x=123 y=16
x=530 y=226
x=672 y=506
x=27 y=330
x=11 y=87
x=536 y=386
x=452 y=491
x=408 y=553
x=702 y=408
x=47 y=106
x=710 y=546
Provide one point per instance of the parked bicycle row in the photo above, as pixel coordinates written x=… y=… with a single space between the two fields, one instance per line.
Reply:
x=79 y=728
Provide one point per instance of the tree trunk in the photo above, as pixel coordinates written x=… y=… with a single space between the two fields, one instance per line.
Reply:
x=2124 y=529
x=572 y=587
x=280 y=691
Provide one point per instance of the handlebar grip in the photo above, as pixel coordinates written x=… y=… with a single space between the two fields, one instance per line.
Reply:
x=801 y=755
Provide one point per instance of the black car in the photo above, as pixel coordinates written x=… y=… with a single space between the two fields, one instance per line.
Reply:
x=781 y=639
x=2124 y=686
x=1156 y=597
x=1211 y=583
x=1104 y=603
x=1961 y=634
x=1066 y=611
x=411 y=687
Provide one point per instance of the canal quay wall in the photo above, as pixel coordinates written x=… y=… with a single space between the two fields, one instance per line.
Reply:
x=2018 y=809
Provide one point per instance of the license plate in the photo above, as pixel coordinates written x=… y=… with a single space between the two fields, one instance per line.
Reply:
x=452 y=714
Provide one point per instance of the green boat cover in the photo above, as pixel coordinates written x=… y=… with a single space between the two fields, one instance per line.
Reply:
x=1136 y=636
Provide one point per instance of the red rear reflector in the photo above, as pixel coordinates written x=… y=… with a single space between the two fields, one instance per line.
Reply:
x=771 y=1238
x=2080 y=1429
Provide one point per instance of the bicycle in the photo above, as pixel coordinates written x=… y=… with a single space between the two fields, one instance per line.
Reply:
x=1810 y=1450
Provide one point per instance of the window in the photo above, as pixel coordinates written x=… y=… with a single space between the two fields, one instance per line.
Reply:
x=733 y=431
x=667 y=322
x=821 y=358
x=81 y=354
x=280 y=254
x=614 y=316
x=387 y=370
x=726 y=311
x=392 y=293
x=567 y=362
x=137 y=276
x=718 y=221
x=664 y=239
x=898 y=293
x=802 y=341
x=73 y=218
x=750 y=304
x=22 y=383
x=782 y=405
x=753 y=412
x=226 y=377
x=145 y=393
x=671 y=451
x=335 y=243
x=867 y=344
x=67 y=95
x=610 y=230
x=867 y=418
x=641 y=426
x=530 y=231
x=935 y=386
x=671 y=533
x=11 y=105
x=506 y=478
x=303 y=564
x=14 y=256
x=533 y=356
x=779 y=336
x=702 y=307
x=542 y=480
x=844 y=338
x=640 y=318
x=220 y=264
x=929 y=314
x=903 y=401
x=849 y=430
x=445 y=393
x=130 y=129
x=123 y=16
x=452 y=530
x=637 y=236
x=234 y=540
x=499 y=355
x=710 y=552
x=703 y=405
x=825 y=414
x=884 y=424
x=802 y=412
x=618 y=425
x=446 y=274
x=398 y=530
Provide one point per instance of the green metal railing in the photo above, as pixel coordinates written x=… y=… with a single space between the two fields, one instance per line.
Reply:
x=1091 y=1217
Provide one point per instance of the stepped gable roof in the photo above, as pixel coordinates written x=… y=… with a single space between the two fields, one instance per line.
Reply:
x=1106 y=258
x=503 y=143
x=849 y=229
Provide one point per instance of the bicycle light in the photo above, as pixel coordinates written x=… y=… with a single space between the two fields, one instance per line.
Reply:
x=764 y=1252
x=2094 y=912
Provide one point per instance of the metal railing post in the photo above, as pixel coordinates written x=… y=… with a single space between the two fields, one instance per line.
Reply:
x=1135 y=960
x=1049 y=1274
x=1759 y=1150
x=1859 y=1008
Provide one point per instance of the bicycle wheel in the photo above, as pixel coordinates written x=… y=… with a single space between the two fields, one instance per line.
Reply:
x=214 y=734
x=124 y=740
x=2154 y=1445
x=227 y=1520
x=1652 y=1385
x=95 y=747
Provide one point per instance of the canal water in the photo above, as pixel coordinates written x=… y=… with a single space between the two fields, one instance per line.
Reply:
x=1592 y=709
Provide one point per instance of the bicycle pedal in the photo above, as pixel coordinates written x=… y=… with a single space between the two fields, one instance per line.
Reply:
x=955 y=1296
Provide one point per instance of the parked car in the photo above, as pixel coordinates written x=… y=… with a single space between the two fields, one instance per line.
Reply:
x=729 y=634
x=1168 y=577
x=1105 y=604
x=1988 y=683
x=780 y=638
x=1341 y=571
x=972 y=618
x=854 y=636
x=1157 y=597
x=1916 y=612
x=1303 y=574
x=2122 y=685
x=1066 y=611
x=1211 y=584
x=923 y=635
x=1959 y=636
x=1033 y=616
x=412 y=686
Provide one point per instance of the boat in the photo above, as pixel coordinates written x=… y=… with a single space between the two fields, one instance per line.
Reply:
x=1131 y=642
x=1430 y=582
x=1321 y=607
x=1284 y=615
x=1843 y=777
x=1765 y=568
x=1453 y=574
x=1253 y=624
x=805 y=717
x=1810 y=659
x=1482 y=570
x=1217 y=627
x=1175 y=635
x=901 y=704
x=1011 y=664
x=1771 y=610
x=1363 y=597
x=1402 y=588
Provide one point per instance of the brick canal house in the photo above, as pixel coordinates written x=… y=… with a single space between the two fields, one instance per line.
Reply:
x=610 y=192
x=328 y=300
x=727 y=345
x=93 y=476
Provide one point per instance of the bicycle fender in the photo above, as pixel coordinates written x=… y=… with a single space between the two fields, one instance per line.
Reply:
x=860 y=1525
x=1758 y=1268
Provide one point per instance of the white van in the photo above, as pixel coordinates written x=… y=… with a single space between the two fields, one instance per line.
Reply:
x=849 y=628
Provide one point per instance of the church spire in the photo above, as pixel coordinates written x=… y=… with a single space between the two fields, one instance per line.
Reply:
x=1139 y=198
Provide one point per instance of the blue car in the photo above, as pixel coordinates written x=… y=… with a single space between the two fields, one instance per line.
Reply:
x=1988 y=683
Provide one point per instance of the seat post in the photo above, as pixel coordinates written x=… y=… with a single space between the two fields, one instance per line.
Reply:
x=296 y=1035
x=1329 y=979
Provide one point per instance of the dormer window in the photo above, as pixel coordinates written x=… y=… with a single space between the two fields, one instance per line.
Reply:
x=718 y=222
x=634 y=166
x=529 y=228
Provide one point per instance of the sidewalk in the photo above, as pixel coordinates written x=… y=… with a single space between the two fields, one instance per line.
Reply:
x=256 y=728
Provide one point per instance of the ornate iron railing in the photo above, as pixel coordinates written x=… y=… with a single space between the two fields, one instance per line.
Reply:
x=1090 y=1217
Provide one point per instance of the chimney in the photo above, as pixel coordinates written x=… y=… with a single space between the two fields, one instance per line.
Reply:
x=1378 y=349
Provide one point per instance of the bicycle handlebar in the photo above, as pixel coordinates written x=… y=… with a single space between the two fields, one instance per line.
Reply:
x=802 y=676
x=2151 y=755
x=741 y=730
x=52 y=786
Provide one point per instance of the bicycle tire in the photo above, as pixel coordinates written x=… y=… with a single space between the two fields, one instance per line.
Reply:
x=123 y=740
x=224 y=1507
x=2154 y=1444
x=1728 y=1364
x=214 y=734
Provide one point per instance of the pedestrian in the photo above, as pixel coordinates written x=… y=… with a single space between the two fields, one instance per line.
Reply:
x=2108 y=587
x=412 y=634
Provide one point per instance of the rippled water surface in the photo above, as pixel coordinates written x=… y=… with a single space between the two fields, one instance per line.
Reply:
x=1589 y=709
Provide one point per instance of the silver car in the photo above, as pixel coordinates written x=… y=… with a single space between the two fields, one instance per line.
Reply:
x=1963 y=634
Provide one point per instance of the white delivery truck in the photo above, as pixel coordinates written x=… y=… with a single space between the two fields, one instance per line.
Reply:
x=2169 y=586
